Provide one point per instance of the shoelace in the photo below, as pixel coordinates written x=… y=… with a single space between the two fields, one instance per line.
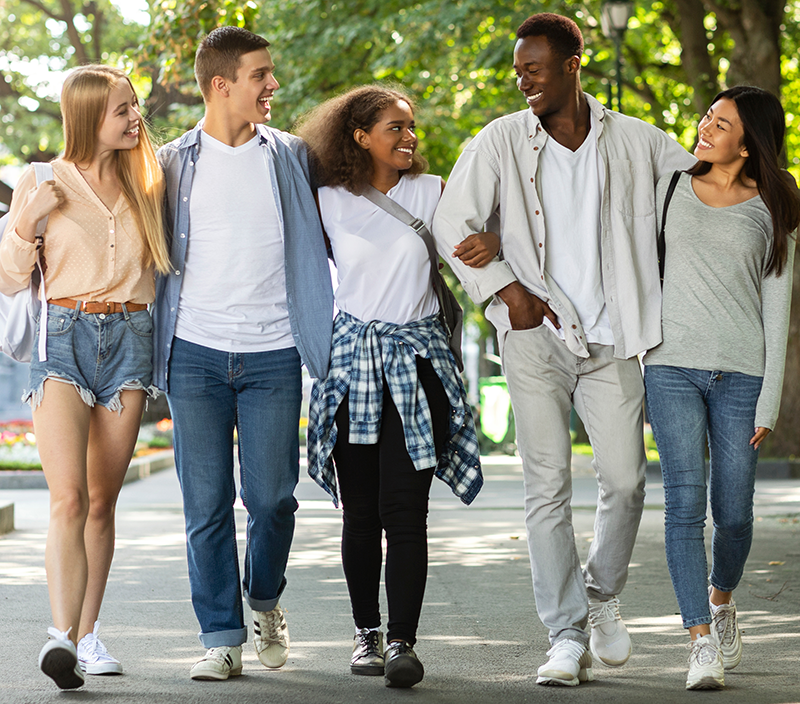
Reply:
x=369 y=641
x=573 y=646
x=274 y=625
x=604 y=611
x=724 y=624
x=702 y=651
x=53 y=632
x=94 y=647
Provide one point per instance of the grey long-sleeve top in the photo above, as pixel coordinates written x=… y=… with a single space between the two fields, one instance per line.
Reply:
x=719 y=311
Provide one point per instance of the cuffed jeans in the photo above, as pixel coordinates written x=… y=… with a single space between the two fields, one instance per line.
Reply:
x=687 y=408
x=545 y=380
x=258 y=393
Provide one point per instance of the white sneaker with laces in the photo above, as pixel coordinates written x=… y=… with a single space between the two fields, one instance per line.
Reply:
x=271 y=639
x=570 y=663
x=58 y=660
x=218 y=663
x=93 y=656
x=725 y=628
x=610 y=642
x=705 y=664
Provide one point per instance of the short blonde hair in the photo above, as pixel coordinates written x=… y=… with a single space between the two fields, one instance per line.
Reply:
x=84 y=99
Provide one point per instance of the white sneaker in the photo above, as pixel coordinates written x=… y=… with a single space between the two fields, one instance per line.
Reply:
x=93 y=656
x=725 y=628
x=705 y=665
x=271 y=639
x=218 y=663
x=610 y=642
x=570 y=663
x=58 y=660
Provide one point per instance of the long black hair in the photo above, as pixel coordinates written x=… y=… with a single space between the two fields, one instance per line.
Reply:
x=764 y=124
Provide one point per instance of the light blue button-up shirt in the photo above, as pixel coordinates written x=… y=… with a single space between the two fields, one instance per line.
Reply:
x=309 y=292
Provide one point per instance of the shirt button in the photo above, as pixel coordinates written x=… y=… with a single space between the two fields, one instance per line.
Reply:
x=177 y=272
x=537 y=212
x=112 y=246
x=191 y=163
x=111 y=232
x=574 y=327
x=183 y=234
x=536 y=149
x=532 y=182
x=540 y=244
x=171 y=310
x=185 y=199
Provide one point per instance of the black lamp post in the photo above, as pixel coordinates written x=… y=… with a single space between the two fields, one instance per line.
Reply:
x=614 y=21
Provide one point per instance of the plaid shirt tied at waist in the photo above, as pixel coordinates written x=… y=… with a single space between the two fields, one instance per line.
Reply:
x=363 y=356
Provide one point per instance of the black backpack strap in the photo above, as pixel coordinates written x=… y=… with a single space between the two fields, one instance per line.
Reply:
x=661 y=242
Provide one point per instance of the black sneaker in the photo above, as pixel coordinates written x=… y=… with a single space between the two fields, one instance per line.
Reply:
x=367 y=653
x=402 y=668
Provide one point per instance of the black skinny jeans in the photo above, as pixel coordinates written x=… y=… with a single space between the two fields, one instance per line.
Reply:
x=381 y=491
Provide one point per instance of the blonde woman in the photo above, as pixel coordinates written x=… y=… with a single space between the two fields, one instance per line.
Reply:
x=102 y=245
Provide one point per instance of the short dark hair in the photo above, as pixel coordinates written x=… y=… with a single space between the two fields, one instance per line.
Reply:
x=561 y=32
x=328 y=129
x=220 y=53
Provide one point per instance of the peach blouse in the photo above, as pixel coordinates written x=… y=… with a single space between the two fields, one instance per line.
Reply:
x=90 y=253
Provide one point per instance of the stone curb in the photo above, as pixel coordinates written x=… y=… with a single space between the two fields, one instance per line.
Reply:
x=139 y=468
x=6 y=518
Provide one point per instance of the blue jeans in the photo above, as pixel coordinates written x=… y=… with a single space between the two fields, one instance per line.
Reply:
x=685 y=406
x=258 y=393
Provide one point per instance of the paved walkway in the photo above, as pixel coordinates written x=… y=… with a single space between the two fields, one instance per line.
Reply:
x=480 y=638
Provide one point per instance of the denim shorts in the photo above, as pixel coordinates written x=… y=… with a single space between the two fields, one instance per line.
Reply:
x=100 y=355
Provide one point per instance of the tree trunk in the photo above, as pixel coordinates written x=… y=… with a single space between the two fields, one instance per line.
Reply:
x=701 y=71
x=785 y=441
x=755 y=27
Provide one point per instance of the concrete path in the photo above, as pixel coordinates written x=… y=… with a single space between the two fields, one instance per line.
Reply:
x=480 y=638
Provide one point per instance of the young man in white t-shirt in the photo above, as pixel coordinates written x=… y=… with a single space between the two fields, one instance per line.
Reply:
x=576 y=298
x=248 y=301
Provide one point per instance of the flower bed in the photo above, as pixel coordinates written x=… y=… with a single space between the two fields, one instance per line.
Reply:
x=18 y=443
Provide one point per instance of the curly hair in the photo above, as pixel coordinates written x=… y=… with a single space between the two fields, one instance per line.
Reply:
x=561 y=32
x=328 y=130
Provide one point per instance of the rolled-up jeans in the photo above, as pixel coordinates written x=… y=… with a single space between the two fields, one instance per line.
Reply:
x=257 y=393
x=690 y=409
x=545 y=379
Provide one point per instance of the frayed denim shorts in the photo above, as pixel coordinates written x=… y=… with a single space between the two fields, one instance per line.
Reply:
x=101 y=355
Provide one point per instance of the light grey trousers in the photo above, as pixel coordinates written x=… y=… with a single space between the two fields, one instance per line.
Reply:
x=545 y=380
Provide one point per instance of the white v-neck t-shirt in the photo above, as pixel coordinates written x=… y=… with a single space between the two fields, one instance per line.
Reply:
x=383 y=267
x=571 y=190
x=233 y=296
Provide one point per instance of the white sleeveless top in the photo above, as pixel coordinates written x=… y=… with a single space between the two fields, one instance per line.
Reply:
x=383 y=267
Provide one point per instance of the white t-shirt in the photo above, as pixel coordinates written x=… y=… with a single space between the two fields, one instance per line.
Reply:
x=571 y=190
x=383 y=267
x=233 y=296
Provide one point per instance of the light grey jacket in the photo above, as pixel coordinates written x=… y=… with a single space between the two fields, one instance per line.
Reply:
x=495 y=177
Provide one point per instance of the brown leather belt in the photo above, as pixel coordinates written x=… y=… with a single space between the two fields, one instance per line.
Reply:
x=95 y=306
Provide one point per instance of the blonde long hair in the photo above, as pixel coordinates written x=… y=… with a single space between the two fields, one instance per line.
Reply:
x=84 y=98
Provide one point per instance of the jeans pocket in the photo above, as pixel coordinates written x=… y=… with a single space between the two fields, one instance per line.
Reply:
x=140 y=323
x=59 y=323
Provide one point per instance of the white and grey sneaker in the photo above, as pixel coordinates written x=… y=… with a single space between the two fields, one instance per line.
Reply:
x=93 y=656
x=610 y=642
x=218 y=663
x=725 y=628
x=271 y=639
x=570 y=663
x=705 y=664
x=58 y=660
x=367 y=652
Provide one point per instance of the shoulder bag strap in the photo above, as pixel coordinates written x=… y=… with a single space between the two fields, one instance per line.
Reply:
x=661 y=242
x=44 y=172
x=398 y=211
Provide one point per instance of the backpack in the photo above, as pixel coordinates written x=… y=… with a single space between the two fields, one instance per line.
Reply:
x=19 y=311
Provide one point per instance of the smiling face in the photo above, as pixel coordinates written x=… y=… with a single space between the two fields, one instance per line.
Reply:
x=546 y=79
x=720 y=134
x=249 y=97
x=391 y=142
x=120 y=126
